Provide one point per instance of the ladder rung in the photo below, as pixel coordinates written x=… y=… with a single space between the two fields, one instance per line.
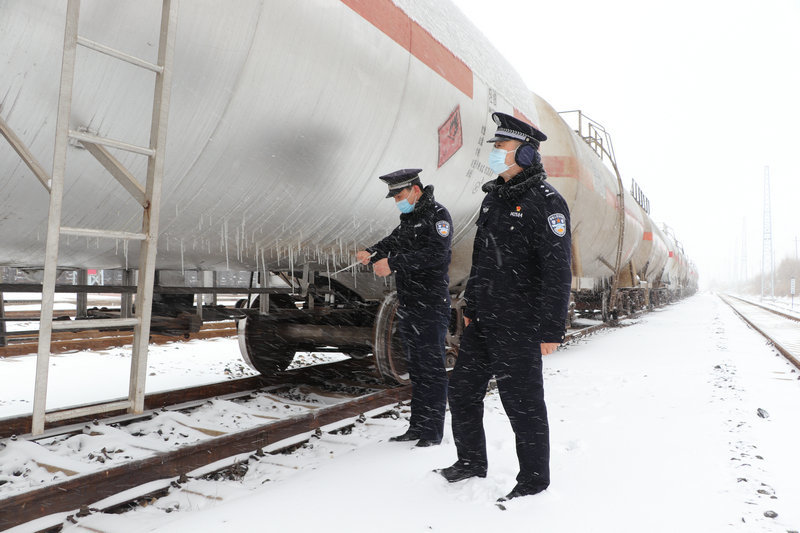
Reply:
x=94 y=139
x=93 y=323
x=133 y=60
x=87 y=232
x=89 y=410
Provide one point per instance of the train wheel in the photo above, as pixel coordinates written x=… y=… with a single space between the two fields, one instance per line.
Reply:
x=389 y=356
x=262 y=348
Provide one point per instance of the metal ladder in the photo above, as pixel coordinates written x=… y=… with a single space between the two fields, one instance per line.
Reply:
x=148 y=197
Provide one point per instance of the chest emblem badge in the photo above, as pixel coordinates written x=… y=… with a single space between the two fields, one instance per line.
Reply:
x=443 y=228
x=558 y=223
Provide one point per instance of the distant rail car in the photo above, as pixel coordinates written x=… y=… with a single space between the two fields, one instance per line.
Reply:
x=281 y=117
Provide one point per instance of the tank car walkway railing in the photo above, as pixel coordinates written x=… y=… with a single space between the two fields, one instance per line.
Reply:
x=149 y=197
x=599 y=140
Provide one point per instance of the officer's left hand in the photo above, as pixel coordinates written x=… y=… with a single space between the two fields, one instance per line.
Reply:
x=548 y=347
x=381 y=268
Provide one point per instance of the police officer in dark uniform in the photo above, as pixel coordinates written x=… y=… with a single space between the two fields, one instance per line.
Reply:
x=517 y=297
x=418 y=251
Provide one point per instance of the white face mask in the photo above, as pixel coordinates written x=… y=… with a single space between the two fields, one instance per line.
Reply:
x=497 y=160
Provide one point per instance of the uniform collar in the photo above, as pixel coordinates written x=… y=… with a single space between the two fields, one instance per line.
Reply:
x=518 y=185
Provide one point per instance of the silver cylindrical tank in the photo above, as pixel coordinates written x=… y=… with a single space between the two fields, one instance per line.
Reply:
x=677 y=266
x=591 y=190
x=283 y=114
x=651 y=255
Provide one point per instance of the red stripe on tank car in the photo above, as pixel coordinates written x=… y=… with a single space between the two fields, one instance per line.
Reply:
x=561 y=166
x=648 y=236
x=392 y=21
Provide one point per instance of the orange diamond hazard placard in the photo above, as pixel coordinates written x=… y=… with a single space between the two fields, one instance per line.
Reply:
x=450 y=139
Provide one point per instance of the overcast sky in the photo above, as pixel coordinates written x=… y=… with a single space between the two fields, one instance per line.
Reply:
x=698 y=95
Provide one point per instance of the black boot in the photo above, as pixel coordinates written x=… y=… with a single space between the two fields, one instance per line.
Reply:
x=407 y=436
x=520 y=491
x=460 y=471
x=424 y=443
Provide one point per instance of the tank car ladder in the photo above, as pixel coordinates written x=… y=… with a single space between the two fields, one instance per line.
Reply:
x=148 y=197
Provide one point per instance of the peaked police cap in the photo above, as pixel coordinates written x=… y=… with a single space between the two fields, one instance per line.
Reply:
x=509 y=127
x=400 y=179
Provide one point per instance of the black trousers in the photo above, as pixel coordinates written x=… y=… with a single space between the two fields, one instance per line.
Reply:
x=423 y=332
x=516 y=362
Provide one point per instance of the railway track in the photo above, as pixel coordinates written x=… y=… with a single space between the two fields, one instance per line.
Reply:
x=781 y=329
x=127 y=451
x=20 y=425
x=65 y=341
x=167 y=444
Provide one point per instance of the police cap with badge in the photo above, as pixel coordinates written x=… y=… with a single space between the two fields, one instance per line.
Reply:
x=512 y=128
x=400 y=179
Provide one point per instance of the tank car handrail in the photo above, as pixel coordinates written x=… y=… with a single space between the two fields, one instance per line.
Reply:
x=596 y=142
x=592 y=140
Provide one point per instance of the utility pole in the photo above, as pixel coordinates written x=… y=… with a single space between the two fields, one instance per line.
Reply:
x=767 y=256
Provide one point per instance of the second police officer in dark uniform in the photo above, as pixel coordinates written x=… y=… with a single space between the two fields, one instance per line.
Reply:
x=418 y=251
x=517 y=298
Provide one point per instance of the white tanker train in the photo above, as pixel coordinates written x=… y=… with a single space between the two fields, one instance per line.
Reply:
x=281 y=117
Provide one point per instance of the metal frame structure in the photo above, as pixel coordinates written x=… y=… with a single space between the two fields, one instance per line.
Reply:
x=767 y=254
x=599 y=140
x=149 y=197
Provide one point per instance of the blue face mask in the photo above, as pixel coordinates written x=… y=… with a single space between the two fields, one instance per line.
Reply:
x=404 y=206
x=497 y=160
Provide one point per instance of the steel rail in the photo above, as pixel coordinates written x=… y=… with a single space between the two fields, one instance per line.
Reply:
x=24 y=342
x=766 y=308
x=120 y=289
x=86 y=489
x=341 y=371
x=791 y=357
x=21 y=424
x=83 y=490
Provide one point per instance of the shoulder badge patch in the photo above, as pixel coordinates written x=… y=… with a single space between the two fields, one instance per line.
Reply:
x=443 y=228
x=558 y=223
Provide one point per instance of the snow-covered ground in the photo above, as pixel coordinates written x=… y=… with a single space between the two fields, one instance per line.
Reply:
x=655 y=427
x=77 y=378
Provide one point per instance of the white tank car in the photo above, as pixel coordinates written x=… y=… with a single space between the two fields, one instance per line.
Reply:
x=282 y=116
x=680 y=273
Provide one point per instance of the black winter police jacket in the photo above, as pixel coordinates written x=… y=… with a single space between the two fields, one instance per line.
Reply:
x=521 y=261
x=419 y=253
